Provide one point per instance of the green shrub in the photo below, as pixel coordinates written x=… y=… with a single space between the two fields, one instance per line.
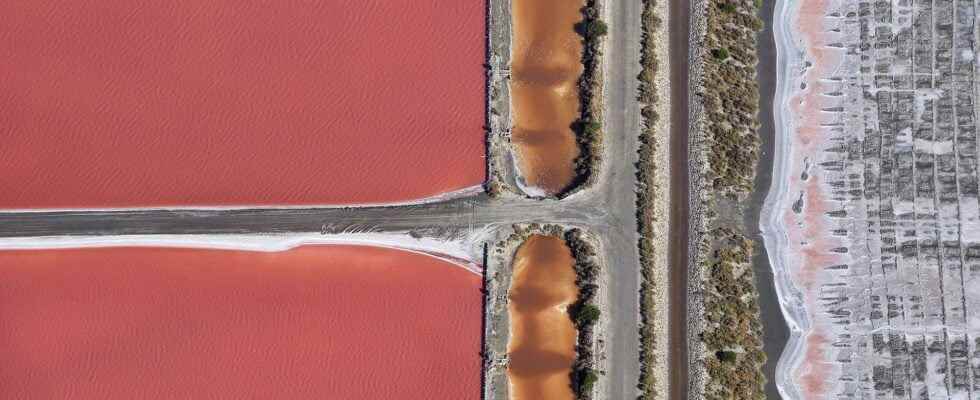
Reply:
x=592 y=28
x=598 y=28
x=583 y=379
x=720 y=54
x=586 y=315
x=726 y=356
x=587 y=381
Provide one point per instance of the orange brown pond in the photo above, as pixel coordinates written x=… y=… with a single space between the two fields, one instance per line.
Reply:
x=545 y=68
x=542 y=336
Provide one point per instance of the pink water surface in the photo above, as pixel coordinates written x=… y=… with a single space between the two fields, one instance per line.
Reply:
x=322 y=322
x=130 y=103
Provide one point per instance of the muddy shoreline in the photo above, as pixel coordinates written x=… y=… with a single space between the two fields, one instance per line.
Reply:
x=790 y=299
x=775 y=330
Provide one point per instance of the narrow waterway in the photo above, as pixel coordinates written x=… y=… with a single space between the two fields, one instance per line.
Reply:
x=546 y=63
x=542 y=336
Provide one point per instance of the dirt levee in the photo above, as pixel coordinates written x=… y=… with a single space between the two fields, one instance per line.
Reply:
x=122 y=103
x=315 y=322
x=545 y=69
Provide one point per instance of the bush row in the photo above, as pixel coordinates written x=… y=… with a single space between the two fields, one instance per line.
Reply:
x=646 y=193
x=584 y=313
x=588 y=128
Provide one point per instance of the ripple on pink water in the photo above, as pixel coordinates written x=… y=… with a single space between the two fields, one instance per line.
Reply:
x=129 y=103
x=324 y=322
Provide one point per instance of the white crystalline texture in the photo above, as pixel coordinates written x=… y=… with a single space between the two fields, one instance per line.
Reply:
x=889 y=274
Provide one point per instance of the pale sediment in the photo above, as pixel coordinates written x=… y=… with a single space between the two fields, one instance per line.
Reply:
x=437 y=198
x=457 y=251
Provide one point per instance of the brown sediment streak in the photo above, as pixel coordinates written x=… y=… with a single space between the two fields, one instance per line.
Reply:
x=542 y=336
x=545 y=68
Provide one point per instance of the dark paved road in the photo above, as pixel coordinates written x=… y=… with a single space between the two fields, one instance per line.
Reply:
x=678 y=254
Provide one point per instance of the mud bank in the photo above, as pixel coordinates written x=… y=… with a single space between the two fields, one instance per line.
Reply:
x=790 y=56
x=790 y=150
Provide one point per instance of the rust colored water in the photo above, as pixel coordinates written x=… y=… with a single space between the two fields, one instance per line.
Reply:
x=131 y=103
x=326 y=322
x=545 y=68
x=542 y=336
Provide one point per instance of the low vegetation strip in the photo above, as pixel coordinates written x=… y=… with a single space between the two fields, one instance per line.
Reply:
x=588 y=128
x=733 y=331
x=730 y=332
x=649 y=193
x=731 y=95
